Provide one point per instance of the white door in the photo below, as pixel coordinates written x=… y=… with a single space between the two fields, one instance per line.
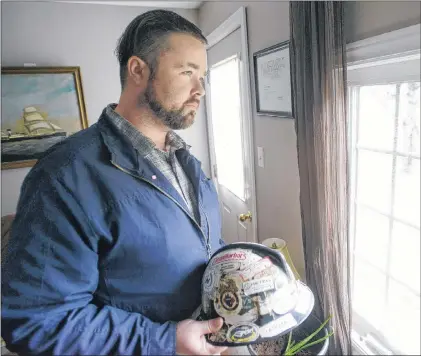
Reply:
x=228 y=108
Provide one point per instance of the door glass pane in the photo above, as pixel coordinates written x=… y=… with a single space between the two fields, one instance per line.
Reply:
x=405 y=255
x=409 y=118
x=402 y=319
x=376 y=122
x=369 y=293
x=407 y=190
x=226 y=124
x=372 y=237
x=374 y=186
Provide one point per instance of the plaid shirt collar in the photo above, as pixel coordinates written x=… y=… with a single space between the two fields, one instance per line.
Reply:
x=143 y=144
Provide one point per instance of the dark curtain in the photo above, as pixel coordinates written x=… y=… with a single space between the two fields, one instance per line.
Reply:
x=318 y=67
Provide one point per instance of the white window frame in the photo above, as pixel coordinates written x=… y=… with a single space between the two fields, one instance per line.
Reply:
x=391 y=48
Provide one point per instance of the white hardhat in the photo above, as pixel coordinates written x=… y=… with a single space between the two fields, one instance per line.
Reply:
x=254 y=290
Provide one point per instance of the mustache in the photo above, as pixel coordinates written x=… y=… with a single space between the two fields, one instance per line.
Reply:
x=194 y=101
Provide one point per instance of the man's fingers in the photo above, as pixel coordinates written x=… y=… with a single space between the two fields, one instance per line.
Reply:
x=215 y=324
x=211 y=326
x=216 y=350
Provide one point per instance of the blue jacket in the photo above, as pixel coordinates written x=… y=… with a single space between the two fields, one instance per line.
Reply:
x=104 y=258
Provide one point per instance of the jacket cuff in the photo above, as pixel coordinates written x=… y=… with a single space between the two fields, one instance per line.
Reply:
x=162 y=339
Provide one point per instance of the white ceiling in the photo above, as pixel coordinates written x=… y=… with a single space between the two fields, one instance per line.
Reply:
x=154 y=4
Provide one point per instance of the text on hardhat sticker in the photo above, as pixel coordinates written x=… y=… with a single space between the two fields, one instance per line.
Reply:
x=278 y=326
x=258 y=286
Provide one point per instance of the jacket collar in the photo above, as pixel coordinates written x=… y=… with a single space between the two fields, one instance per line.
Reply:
x=125 y=156
x=140 y=142
x=120 y=148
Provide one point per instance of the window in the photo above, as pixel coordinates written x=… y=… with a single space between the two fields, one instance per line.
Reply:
x=227 y=126
x=384 y=112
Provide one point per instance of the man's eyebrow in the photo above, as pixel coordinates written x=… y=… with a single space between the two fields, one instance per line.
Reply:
x=194 y=66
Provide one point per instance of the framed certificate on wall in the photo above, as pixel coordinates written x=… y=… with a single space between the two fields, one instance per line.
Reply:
x=272 y=72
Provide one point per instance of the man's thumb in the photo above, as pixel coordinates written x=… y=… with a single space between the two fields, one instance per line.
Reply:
x=212 y=325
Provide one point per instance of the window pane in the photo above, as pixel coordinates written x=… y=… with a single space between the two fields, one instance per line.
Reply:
x=369 y=293
x=409 y=118
x=372 y=236
x=375 y=180
x=405 y=255
x=227 y=129
x=407 y=190
x=402 y=319
x=377 y=116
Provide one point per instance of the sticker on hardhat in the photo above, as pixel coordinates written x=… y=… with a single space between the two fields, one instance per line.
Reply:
x=284 y=299
x=229 y=301
x=304 y=305
x=229 y=266
x=206 y=304
x=270 y=271
x=245 y=332
x=281 y=280
x=208 y=281
x=283 y=302
x=278 y=326
x=258 y=285
x=256 y=268
x=228 y=257
x=250 y=316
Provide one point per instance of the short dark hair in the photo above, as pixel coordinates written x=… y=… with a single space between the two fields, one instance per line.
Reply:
x=146 y=36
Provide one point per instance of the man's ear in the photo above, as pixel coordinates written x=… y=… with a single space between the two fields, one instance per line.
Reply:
x=137 y=70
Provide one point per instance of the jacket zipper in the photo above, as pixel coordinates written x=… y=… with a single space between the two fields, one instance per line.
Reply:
x=208 y=244
x=205 y=240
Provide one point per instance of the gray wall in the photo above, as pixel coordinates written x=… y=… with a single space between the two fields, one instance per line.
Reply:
x=277 y=184
x=62 y=34
x=365 y=19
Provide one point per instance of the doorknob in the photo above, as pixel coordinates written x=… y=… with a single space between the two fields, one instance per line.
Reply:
x=244 y=217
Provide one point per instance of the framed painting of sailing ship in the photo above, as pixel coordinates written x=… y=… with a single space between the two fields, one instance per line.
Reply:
x=41 y=106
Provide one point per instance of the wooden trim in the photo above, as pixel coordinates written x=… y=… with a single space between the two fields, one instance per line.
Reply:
x=412 y=55
x=400 y=41
x=18 y=164
x=231 y=24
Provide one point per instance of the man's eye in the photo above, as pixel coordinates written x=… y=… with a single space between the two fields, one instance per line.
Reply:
x=188 y=72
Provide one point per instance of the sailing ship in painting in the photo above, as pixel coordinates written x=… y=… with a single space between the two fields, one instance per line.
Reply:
x=36 y=125
x=39 y=134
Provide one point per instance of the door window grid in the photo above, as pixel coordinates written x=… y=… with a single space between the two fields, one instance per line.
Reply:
x=401 y=148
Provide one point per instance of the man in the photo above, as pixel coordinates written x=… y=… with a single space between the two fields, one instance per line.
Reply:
x=115 y=224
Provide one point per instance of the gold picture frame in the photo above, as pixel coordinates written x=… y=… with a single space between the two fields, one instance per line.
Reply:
x=40 y=107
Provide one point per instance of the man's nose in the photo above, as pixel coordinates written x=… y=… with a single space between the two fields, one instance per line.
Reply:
x=199 y=88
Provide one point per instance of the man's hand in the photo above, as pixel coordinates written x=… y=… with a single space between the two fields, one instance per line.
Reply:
x=191 y=337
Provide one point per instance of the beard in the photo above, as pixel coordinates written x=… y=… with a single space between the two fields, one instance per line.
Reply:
x=174 y=119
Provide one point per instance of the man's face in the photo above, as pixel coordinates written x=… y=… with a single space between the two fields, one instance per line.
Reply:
x=174 y=91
